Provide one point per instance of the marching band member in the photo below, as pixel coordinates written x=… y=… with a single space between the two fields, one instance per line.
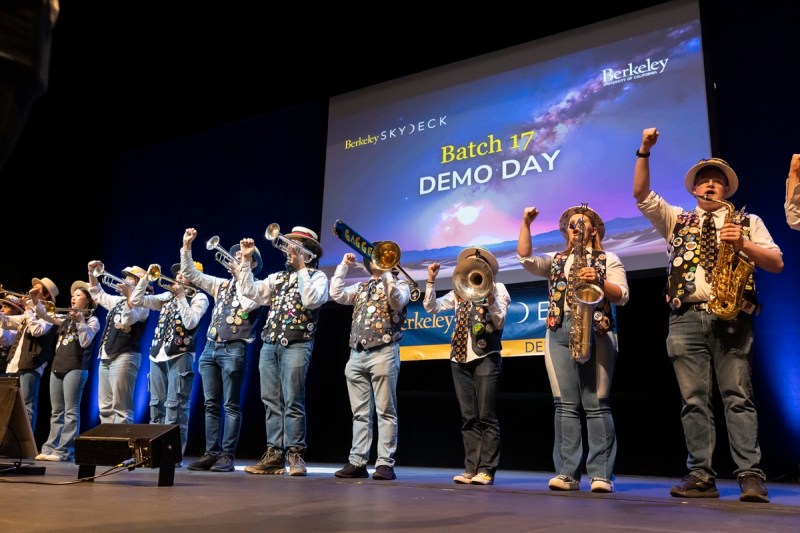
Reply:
x=379 y=311
x=222 y=362
x=580 y=375
x=700 y=344
x=120 y=346
x=475 y=360
x=77 y=331
x=294 y=296
x=9 y=306
x=173 y=347
x=34 y=345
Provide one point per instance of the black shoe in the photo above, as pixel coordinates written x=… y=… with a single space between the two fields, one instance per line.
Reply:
x=352 y=471
x=384 y=472
x=753 y=488
x=204 y=463
x=224 y=463
x=693 y=487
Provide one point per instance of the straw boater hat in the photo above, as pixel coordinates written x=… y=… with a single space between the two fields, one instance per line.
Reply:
x=584 y=209
x=13 y=301
x=47 y=284
x=485 y=254
x=256 y=257
x=135 y=271
x=721 y=165
x=299 y=232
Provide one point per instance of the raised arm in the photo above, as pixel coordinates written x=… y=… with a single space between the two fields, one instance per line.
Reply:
x=641 y=174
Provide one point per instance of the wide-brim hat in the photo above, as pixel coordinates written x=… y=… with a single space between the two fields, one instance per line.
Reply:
x=48 y=284
x=13 y=301
x=583 y=209
x=300 y=232
x=486 y=255
x=721 y=165
x=256 y=255
x=177 y=268
x=135 y=271
x=85 y=287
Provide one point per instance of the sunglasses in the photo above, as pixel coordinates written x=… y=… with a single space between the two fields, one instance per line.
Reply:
x=575 y=225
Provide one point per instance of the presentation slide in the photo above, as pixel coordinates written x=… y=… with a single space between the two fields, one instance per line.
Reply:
x=449 y=158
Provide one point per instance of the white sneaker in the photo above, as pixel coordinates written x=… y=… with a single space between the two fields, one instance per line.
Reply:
x=482 y=478
x=602 y=485
x=563 y=482
x=54 y=458
x=464 y=479
x=41 y=457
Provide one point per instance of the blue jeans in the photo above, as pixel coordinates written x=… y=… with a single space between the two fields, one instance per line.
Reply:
x=282 y=371
x=29 y=388
x=582 y=390
x=65 y=417
x=221 y=368
x=115 y=386
x=372 y=387
x=699 y=344
x=476 y=384
x=170 y=385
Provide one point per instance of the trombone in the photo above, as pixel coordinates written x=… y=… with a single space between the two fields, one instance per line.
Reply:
x=154 y=274
x=109 y=280
x=385 y=254
x=222 y=256
x=287 y=245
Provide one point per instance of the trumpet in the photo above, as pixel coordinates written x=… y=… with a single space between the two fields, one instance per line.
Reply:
x=109 y=280
x=222 y=256
x=385 y=254
x=154 y=274
x=62 y=311
x=287 y=245
x=20 y=295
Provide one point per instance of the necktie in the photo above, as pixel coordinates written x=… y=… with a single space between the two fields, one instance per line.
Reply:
x=708 y=243
x=461 y=333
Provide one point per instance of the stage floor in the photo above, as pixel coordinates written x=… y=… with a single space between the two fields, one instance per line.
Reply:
x=420 y=499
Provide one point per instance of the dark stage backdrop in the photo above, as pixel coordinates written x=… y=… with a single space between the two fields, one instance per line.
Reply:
x=71 y=194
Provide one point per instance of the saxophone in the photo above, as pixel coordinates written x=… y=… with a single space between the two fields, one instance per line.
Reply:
x=585 y=297
x=731 y=272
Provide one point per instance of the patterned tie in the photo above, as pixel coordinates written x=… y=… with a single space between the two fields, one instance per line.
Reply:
x=461 y=333
x=708 y=243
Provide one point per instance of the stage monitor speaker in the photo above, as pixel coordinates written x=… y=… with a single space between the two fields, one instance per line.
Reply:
x=16 y=435
x=132 y=445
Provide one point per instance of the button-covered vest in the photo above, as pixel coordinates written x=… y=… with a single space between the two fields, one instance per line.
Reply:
x=602 y=319
x=683 y=248
x=484 y=338
x=125 y=340
x=171 y=332
x=69 y=353
x=228 y=321
x=36 y=351
x=288 y=320
x=374 y=321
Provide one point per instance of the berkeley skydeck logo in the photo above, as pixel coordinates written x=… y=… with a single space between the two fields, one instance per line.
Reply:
x=634 y=72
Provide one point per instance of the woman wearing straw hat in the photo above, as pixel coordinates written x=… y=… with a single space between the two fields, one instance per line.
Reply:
x=77 y=331
x=580 y=379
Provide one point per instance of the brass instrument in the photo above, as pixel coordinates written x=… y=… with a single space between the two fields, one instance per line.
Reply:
x=155 y=274
x=287 y=245
x=222 y=256
x=731 y=271
x=20 y=295
x=473 y=278
x=109 y=280
x=385 y=254
x=585 y=297
x=63 y=311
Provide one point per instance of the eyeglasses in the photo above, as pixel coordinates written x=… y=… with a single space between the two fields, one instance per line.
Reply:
x=721 y=180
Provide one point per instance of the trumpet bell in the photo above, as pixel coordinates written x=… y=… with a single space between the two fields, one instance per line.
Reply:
x=386 y=254
x=154 y=273
x=473 y=279
x=212 y=243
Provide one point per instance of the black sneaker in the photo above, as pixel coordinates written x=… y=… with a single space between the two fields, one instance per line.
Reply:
x=352 y=471
x=693 y=487
x=204 y=463
x=224 y=463
x=384 y=472
x=753 y=488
